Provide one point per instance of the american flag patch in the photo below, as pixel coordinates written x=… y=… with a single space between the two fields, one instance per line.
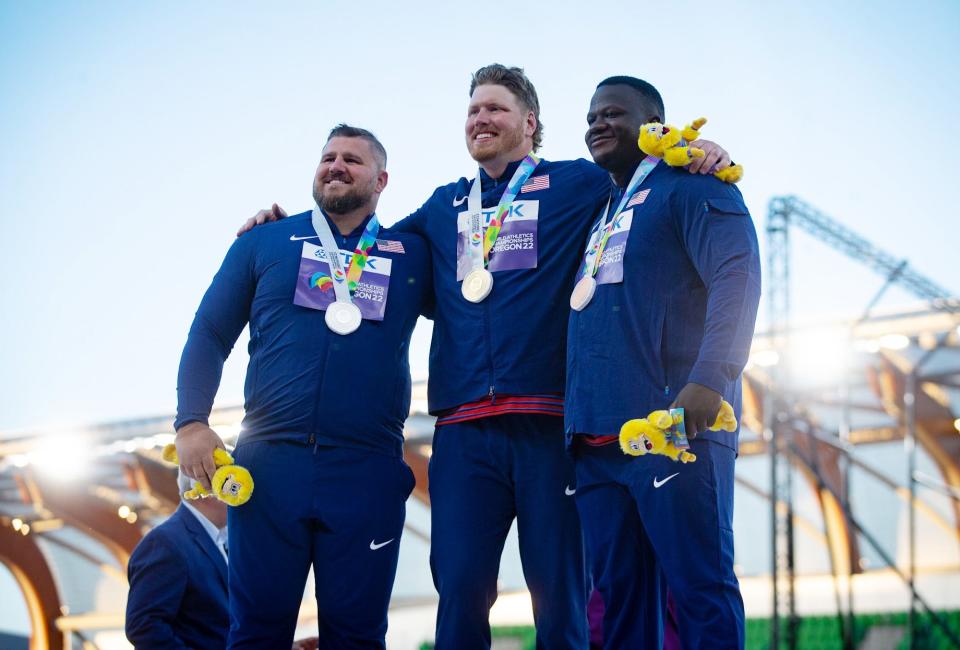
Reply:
x=390 y=246
x=536 y=184
x=637 y=199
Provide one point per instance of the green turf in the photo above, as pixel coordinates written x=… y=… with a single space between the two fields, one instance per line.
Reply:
x=813 y=632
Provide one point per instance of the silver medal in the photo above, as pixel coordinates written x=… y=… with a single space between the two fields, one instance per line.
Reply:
x=477 y=285
x=343 y=317
x=582 y=293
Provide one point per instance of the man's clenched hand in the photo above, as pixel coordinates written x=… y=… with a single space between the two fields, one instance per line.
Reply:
x=700 y=407
x=195 y=444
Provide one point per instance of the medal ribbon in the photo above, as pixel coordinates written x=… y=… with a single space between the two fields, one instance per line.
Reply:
x=352 y=274
x=594 y=252
x=479 y=258
x=360 y=254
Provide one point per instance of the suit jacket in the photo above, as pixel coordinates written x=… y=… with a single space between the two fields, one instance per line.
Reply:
x=178 y=588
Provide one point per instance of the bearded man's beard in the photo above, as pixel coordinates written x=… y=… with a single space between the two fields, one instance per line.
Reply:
x=342 y=203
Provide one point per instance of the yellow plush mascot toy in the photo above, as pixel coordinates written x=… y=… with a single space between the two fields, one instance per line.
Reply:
x=231 y=483
x=662 y=432
x=672 y=145
x=639 y=438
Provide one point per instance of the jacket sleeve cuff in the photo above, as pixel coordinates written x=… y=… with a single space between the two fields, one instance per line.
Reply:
x=712 y=375
x=184 y=420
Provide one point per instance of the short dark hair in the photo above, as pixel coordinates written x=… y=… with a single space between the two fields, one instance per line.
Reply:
x=346 y=131
x=647 y=90
x=514 y=80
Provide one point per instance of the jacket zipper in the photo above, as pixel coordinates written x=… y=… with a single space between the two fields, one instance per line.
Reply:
x=312 y=439
x=491 y=393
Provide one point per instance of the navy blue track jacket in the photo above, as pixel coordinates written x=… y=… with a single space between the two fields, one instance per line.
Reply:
x=513 y=342
x=304 y=382
x=685 y=311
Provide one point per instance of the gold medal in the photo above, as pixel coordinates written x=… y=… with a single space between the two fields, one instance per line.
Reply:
x=477 y=285
x=583 y=293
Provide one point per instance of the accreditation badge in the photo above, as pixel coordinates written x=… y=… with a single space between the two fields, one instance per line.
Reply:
x=315 y=284
x=516 y=245
x=610 y=270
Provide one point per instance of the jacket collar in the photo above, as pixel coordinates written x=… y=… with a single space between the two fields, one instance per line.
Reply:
x=487 y=182
x=356 y=232
x=202 y=539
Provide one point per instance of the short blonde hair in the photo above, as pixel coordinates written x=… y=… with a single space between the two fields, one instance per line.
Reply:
x=514 y=80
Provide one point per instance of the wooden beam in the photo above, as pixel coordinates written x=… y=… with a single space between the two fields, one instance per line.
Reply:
x=19 y=553
x=820 y=465
x=91 y=515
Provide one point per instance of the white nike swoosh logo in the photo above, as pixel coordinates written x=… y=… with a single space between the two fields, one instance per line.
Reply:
x=295 y=238
x=569 y=492
x=458 y=202
x=657 y=483
x=374 y=546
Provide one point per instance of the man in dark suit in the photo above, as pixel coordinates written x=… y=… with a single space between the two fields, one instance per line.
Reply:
x=178 y=580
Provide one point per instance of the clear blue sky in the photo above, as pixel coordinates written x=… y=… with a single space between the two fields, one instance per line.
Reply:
x=137 y=136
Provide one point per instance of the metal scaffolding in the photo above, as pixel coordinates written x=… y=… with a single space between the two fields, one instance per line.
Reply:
x=785 y=415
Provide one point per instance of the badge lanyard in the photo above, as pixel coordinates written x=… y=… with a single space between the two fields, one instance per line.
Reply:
x=480 y=257
x=594 y=252
x=343 y=316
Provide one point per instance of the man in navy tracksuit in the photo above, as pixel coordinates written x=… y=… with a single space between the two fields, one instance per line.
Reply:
x=323 y=430
x=671 y=327
x=497 y=376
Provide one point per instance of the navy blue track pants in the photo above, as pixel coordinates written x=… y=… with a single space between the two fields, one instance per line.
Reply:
x=339 y=510
x=650 y=523
x=483 y=474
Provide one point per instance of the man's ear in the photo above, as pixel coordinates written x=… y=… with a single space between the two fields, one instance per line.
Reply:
x=531 y=126
x=382 y=178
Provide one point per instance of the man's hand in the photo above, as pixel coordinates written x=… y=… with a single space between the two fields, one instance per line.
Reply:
x=276 y=213
x=309 y=643
x=715 y=158
x=195 y=444
x=700 y=407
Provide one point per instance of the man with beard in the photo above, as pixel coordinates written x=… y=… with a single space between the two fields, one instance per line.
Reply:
x=505 y=245
x=331 y=309
x=666 y=299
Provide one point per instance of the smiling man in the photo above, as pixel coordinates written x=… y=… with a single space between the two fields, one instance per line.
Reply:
x=673 y=277
x=331 y=308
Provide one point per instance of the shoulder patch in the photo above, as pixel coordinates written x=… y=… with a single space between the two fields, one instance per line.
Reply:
x=390 y=246
x=536 y=183
x=638 y=198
